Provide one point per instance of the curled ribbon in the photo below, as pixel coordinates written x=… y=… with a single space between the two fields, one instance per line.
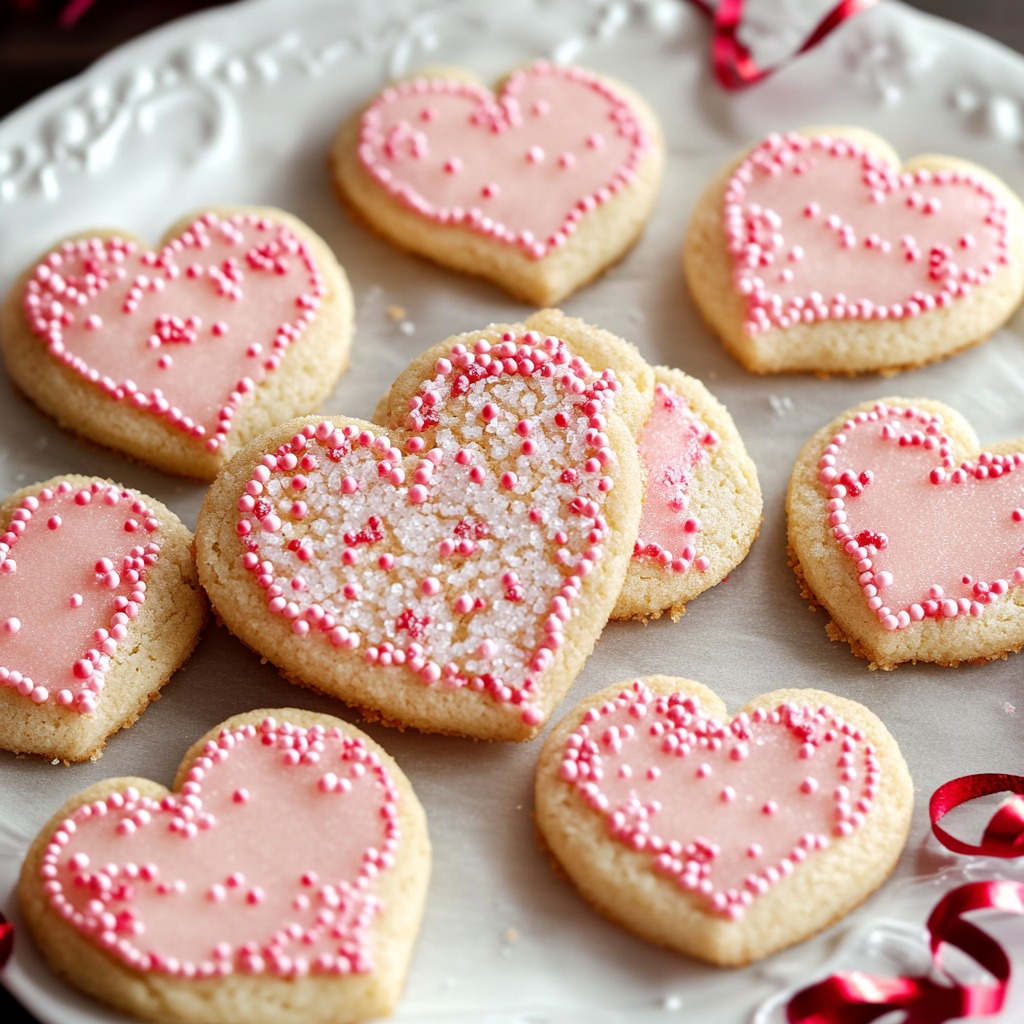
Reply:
x=733 y=63
x=1004 y=834
x=6 y=940
x=857 y=998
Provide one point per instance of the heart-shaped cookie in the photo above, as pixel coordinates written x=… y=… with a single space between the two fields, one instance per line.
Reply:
x=818 y=251
x=910 y=536
x=180 y=355
x=99 y=604
x=452 y=573
x=538 y=187
x=726 y=840
x=282 y=879
x=702 y=500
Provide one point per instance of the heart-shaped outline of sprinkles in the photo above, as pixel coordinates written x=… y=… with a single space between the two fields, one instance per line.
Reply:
x=452 y=570
x=98 y=895
x=383 y=145
x=58 y=293
x=121 y=574
x=913 y=430
x=758 y=246
x=674 y=731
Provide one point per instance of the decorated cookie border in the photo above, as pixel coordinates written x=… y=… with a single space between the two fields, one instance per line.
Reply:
x=837 y=571
x=659 y=905
x=259 y=987
x=840 y=337
x=400 y=681
x=297 y=370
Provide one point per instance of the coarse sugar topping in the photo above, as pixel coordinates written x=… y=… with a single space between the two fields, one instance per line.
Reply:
x=458 y=550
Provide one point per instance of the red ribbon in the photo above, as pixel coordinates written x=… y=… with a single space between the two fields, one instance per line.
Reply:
x=733 y=63
x=6 y=940
x=856 y=998
x=70 y=13
x=1004 y=834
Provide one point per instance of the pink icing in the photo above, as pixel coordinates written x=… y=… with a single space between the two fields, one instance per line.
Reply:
x=186 y=332
x=820 y=229
x=264 y=863
x=463 y=558
x=727 y=810
x=523 y=167
x=929 y=538
x=673 y=444
x=73 y=565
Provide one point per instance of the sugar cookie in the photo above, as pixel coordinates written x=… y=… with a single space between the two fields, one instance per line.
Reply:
x=99 y=604
x=178 y=356
x=538 y=187
x=452 y=569
x=281 y=880
x=910 y=535
x=724 y=840
x=817 y=251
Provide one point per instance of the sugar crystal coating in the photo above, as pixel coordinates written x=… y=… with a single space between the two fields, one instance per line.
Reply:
x=459 y=556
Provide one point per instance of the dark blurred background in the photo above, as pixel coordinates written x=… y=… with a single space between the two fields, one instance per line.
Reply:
x=43 y=42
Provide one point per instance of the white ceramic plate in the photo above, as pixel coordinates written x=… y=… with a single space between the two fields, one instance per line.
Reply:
x=237 y=105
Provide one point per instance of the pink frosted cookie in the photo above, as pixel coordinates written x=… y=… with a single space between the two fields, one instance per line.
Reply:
x=702 y=500
x=451 y=569
x=199 y=905
x=538 y=187
x=179 y=355
x=99 y=604
x=726 y=840
x=910 y=535
x=817 y=251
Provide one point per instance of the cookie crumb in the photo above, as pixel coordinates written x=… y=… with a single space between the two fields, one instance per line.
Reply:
x=511 y=934
x=1009 y=708
x=396 y=312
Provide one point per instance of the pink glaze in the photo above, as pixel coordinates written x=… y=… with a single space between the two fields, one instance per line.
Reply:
x=929 y=538
x=444 y=562
x=725 y=809
x=186 y=332
x=73 y=564
x=820 y=229
x=264 y=863
x=523 y=167
x=673 y=445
